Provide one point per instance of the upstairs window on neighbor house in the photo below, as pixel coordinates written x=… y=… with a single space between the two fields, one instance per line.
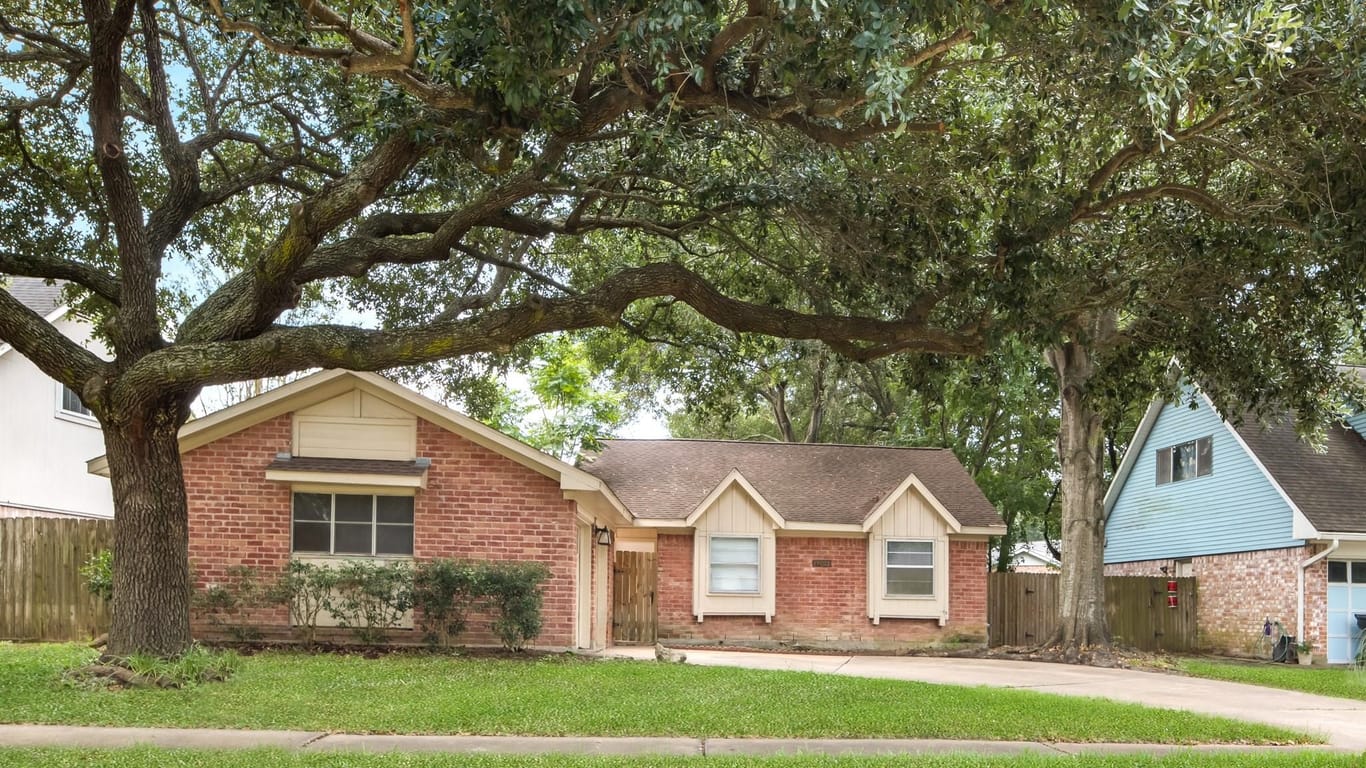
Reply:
x=733 y=568
x=910 y=569
x=71 y=403
x=1185 y=461
x=353 y=524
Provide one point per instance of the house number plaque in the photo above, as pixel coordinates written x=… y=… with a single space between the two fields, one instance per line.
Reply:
x=820 y=563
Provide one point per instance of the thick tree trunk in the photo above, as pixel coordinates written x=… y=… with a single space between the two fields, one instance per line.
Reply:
x=151 y=612
x=1083 y=632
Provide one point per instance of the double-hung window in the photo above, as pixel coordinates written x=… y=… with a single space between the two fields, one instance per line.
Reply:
x=910 y=569
x=71 y=403
x=353 y=524
x=734 y=565
x=1185 y=461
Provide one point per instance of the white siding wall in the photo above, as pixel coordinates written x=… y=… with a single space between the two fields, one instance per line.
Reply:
x=734 y=513
x=911 y=518
x=43 y=455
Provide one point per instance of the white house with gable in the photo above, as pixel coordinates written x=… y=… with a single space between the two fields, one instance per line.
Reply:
x=46 y=435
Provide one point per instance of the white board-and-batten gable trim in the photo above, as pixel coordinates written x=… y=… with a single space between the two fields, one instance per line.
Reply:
x=890 y=500
x=735 y=477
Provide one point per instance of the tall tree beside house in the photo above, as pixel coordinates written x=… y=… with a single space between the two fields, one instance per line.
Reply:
x=303 y=144
x=468 y=171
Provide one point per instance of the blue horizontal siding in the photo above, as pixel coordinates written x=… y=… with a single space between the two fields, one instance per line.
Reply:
x=1233 y=509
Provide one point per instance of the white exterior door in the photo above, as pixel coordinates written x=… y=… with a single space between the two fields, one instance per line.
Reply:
x=1346 y=598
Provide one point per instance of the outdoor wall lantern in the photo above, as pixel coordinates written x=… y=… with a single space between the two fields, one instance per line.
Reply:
x=603 y=536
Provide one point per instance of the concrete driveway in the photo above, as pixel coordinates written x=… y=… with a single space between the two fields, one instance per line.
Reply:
x=1341 y=721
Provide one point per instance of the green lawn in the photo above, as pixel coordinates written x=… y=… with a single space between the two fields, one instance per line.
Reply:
x=569 y=696
x=130 y=758
x=1343 y=682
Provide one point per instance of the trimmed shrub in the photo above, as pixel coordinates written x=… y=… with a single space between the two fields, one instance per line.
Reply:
x=232 y=605
x=305 y=588
x=443 y=592
x=370 y=599
x=513 y=591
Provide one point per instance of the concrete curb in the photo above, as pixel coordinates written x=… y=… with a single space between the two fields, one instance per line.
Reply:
x=313 y=741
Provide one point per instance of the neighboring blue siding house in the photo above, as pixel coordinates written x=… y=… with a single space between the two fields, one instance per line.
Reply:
x=1270 y=527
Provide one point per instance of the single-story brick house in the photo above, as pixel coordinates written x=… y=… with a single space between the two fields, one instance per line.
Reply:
x=754 y=542
x=1269 y=526
x=817 y=545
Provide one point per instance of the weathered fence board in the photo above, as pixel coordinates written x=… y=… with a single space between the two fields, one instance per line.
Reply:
x=42 y=594
x=1022 y=610
x=633 y=589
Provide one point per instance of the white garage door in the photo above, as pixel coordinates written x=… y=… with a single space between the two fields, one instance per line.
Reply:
x=1346 y=598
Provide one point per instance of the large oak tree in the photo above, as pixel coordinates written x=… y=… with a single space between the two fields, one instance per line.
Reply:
x=467 y=172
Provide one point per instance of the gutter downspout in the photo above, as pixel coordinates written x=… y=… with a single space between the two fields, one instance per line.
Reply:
x=1304 y=566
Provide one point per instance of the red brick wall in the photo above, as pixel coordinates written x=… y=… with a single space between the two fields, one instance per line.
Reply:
x=477 y=504
x=1239 y=591
x=968 y=585
x=237 y=517
x=818 y=606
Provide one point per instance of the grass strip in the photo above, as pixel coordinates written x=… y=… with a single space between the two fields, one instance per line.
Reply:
x=568 y=696
x=157 y=758
x=1342 y=682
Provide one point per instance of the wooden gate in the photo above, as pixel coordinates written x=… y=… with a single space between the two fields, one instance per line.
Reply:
x=1022 y=609
x=633 y=590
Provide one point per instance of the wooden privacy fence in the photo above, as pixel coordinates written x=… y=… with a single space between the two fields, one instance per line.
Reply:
x=1022 y=609
x=42 y=593
x=633 y=591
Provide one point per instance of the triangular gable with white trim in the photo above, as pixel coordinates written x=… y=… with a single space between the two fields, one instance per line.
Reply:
x=906 y=485
x=736 y=478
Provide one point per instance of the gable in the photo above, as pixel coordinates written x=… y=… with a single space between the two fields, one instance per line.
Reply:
x=355 y=425
x=911 y=515
x=735 y=509
x=1235 y=508
x=356 y=405
x=728 y=498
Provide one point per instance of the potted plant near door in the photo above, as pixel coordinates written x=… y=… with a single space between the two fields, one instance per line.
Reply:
x=1305 y=651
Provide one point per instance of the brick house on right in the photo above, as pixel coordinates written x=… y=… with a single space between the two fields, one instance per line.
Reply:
x=1269 y=527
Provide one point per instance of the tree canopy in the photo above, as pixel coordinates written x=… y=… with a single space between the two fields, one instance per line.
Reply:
x=879 y=177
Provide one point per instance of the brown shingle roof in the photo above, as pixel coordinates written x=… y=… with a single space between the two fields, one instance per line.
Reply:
x=1329 y=487
x=34 y=293
x=357 y=466
x=667 y=479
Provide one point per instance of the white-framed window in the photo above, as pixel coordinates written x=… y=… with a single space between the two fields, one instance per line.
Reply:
x=1185 y=461
x=910 y=568
x=69 y=403
x=733 y=565
x=352 y=524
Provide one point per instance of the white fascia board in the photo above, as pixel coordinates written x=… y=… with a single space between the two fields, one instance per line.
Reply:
x=982 y=530
x=1328 y=536
x=828 y=527
x=643 y=522
x=1131 y=454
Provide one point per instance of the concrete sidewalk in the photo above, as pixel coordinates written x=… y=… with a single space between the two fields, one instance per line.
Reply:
x=1342 y=722
x=306 y=741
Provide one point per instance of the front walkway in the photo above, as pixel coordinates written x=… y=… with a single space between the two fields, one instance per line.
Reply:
x=92 y=737
x=1341 y=721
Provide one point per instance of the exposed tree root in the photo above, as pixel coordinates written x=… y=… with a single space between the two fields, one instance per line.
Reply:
x=100 y=641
